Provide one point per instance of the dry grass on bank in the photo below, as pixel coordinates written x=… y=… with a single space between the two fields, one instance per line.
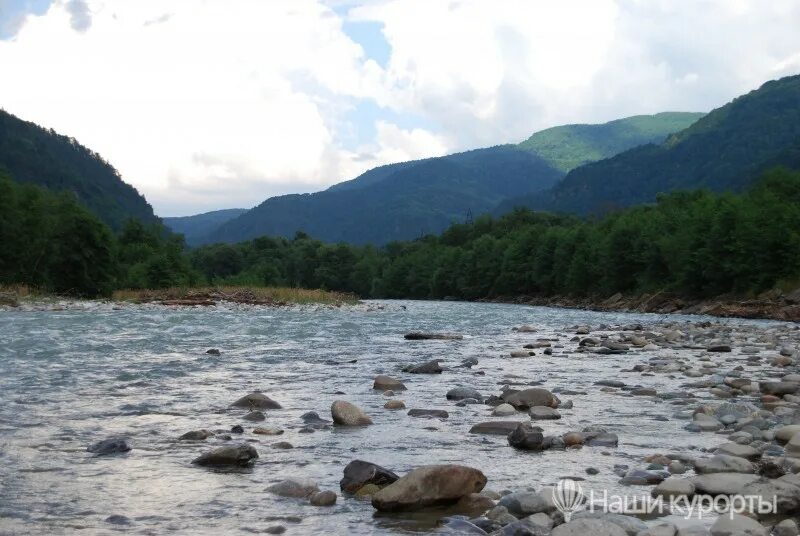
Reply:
x=249 y=295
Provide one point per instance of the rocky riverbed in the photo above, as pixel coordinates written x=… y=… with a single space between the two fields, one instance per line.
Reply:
x=390 y=417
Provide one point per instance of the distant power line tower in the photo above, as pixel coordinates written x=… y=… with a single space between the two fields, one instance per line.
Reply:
x=469 y=220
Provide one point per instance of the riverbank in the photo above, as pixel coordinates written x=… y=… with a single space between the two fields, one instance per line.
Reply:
x=773 y=305
x=16 y=296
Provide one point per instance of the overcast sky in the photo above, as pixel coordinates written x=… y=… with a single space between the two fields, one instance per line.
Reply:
x=222 y=103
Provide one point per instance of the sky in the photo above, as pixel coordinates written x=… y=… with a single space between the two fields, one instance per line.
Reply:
x=210 y=104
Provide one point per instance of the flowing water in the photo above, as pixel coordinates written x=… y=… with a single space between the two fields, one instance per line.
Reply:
x=70 y=378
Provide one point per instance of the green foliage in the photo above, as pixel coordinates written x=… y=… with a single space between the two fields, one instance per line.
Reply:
x=693 y=243
x=51 y=242
x=34 y=155
x=724 y=151
x=569 y=146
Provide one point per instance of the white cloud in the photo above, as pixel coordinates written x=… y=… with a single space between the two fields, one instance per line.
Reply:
x=213 y=104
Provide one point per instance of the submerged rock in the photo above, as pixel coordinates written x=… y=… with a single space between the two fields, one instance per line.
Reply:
x=528 y=398
x=418 y=336
x=240 y=455
x=113 y=445
x=543 y=413
x=495 y=427
x=429 y=485
x=255 y=401
x=460 y=393
x=428 y=413
x=394 y=404
x=431 y=367
x=297 y=488
x=323 y=498
x=196 y=435
x=346 y=414
x=386 y=383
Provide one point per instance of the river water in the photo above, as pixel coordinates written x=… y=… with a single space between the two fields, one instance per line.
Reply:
x=70 y=378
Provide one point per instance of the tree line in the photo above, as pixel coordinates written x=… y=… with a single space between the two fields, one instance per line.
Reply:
x=695 y=244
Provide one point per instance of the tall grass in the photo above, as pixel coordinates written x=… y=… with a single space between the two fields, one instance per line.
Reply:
x=237 y=294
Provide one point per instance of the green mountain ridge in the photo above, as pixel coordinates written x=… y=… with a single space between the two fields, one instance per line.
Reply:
x=726 y=150
x=405 y=200
x=195 y=228
x=570 y=146
x=35 y=155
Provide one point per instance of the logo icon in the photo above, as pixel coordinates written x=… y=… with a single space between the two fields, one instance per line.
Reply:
x=568 y=497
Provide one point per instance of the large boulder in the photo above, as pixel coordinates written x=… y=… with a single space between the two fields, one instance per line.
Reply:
x=779 y=388
x=255 y=401
x=737 y=525
x=387 y=383
x=429 y=485
x=722 y=483
x=346 y=414
x=359 y=473
x=525 y=503
x=723 y=463
x=240 y=455
x=785 y=433
x=785 y=490
x=528 y=398
x=742 y=451
x=674 y=487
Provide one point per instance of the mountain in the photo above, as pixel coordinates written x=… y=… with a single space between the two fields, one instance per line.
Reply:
x=405 y=200
x=32 y=154
x=195 y=228
x=570 y=146
x=726 y=150
x=398 y=201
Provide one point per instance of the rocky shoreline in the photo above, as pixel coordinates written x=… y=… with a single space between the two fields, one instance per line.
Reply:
x=772 y=305
x=752 y=374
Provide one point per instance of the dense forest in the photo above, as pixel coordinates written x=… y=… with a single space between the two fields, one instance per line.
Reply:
x=53 y=243
x=697 y=244
x=724 y=151
x=36 y=155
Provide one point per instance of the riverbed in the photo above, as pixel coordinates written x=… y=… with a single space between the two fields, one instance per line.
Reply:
x=69 y=378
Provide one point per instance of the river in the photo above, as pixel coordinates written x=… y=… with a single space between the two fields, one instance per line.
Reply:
x=70 y=378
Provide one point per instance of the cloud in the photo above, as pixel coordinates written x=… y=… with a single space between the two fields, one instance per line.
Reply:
x=206 y=105
x=80 y=18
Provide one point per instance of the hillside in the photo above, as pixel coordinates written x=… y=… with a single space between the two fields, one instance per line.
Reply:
x=32 y=154
x=570 y=146
x=195 y=228
x=399 y=201
x=405 y=200
x=724 y=151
